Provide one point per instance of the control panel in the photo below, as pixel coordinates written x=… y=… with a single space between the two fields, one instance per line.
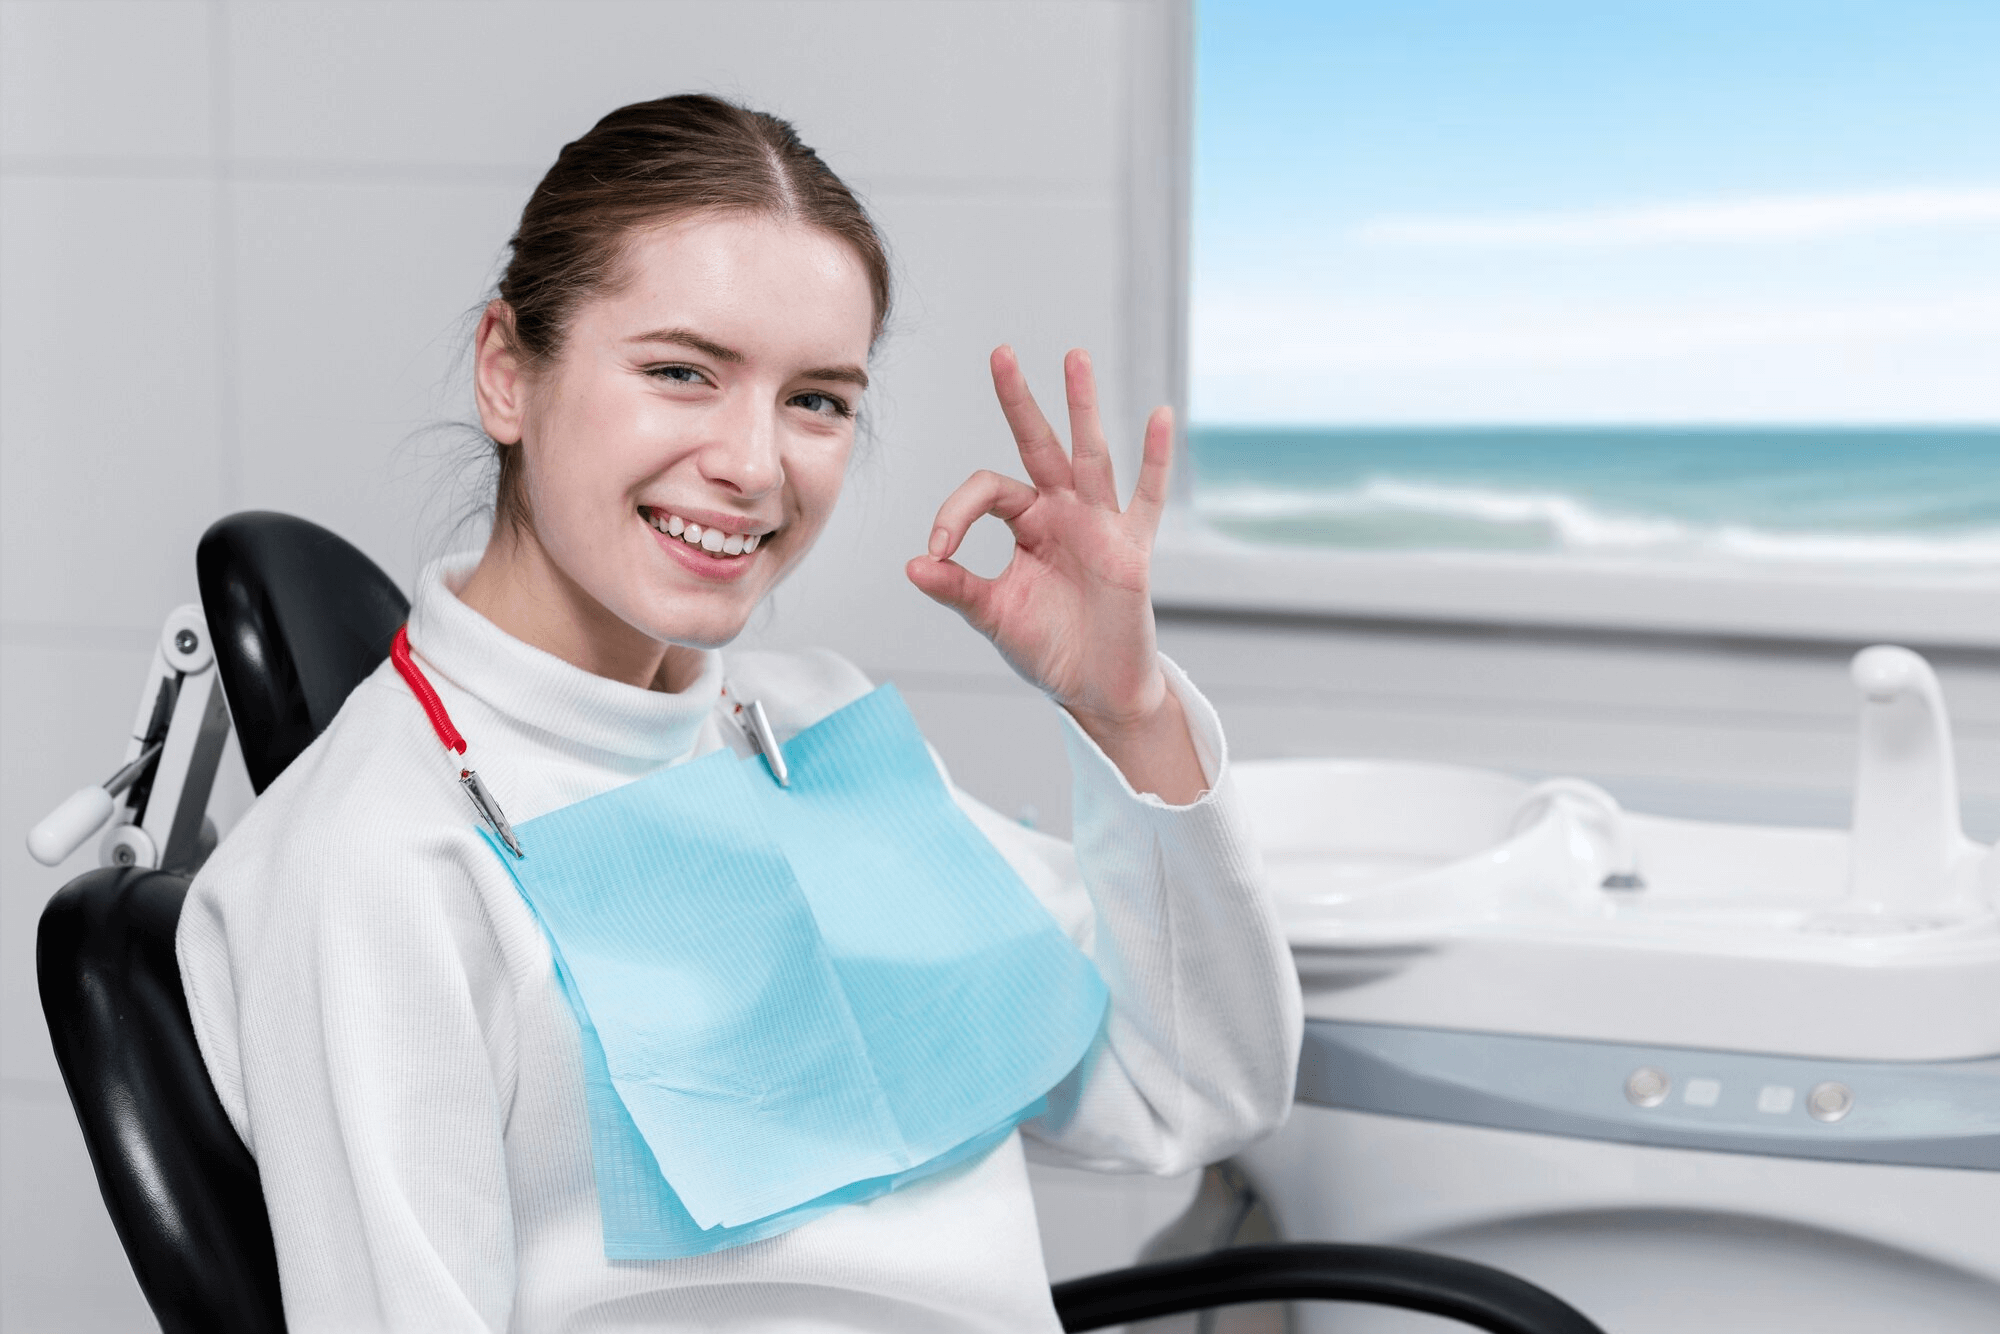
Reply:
x=1926 y=1114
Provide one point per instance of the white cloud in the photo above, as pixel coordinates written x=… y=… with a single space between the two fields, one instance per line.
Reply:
x=1772 y=218
x=1231 y=335
x=1260 y=357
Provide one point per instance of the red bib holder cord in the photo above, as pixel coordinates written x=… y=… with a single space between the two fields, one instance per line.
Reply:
x=454 y=741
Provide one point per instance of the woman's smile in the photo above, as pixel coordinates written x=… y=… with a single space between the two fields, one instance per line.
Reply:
x=708 y=549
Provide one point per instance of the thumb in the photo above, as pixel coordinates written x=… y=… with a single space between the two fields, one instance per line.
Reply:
x=949 y=583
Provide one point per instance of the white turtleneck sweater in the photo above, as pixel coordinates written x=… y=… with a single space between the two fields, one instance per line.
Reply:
x=378 y=1012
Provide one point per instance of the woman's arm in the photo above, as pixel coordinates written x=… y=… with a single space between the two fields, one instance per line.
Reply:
x=357 y=1020
x=1200 y=1048
x=1164 y=888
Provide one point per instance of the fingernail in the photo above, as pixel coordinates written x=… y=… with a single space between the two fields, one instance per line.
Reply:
x=939 y=537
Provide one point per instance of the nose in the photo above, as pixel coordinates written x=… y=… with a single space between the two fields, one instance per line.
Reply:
x=742 y=453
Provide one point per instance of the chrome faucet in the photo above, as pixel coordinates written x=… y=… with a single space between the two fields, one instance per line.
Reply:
x=1909 y=853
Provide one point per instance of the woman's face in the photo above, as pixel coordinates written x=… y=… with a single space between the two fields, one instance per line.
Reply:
x=687 y=446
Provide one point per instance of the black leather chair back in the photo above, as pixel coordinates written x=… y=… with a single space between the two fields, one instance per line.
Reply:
x=182 y=1190
x=298 y=618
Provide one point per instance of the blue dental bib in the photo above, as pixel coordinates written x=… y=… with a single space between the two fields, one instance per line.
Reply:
x=796 y=998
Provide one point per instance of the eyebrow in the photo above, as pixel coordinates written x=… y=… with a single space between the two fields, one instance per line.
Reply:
x=689 y=338
x=853 y=375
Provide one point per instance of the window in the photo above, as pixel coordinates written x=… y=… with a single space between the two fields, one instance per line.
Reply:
x=1712 y=287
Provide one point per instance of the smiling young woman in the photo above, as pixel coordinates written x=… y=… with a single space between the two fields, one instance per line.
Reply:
x=710 y=396
x=452 y=1127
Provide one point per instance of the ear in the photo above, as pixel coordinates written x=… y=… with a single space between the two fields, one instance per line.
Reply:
x=498 y=381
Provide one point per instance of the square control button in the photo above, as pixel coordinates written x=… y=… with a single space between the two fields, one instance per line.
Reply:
x=1775 y=1099
x=1701 y=1092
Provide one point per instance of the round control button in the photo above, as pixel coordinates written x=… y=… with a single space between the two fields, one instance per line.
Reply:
x=1830 y=1101
x=1647 y=1086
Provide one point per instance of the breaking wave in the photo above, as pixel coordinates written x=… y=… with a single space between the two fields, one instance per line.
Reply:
x=1388 y=513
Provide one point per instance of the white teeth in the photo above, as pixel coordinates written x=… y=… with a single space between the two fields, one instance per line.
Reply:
x=708 y=539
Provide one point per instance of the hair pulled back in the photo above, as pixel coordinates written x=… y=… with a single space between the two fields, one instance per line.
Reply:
x=643 y=166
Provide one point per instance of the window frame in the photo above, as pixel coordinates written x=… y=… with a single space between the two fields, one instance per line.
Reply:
x=1199 y=570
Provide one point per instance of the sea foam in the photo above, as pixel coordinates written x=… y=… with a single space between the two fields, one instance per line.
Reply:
x=1392 y=513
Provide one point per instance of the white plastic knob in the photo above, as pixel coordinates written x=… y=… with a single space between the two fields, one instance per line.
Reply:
x=70 y=825
x=128 y=845
x=184 y=640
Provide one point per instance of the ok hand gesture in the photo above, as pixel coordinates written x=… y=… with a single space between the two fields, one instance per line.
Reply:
x=1072 y=612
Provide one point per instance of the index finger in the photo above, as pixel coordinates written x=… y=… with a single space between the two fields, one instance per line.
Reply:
x=1042 y=453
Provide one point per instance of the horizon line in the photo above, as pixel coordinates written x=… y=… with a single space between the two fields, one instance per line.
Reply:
x=1608 y=424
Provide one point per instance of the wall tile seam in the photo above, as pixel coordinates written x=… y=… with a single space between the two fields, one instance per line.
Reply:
x=335 y=171
x=1635 y=711
x=29 y=167
x=113 y=637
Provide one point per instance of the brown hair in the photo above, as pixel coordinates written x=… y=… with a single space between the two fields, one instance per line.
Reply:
x=641 y=166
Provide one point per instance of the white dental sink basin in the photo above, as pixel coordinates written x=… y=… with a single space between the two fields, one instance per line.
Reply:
x=1332 y=831
x=1461 y=898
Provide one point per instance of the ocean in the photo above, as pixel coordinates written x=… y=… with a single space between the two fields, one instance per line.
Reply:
x=1895 y=496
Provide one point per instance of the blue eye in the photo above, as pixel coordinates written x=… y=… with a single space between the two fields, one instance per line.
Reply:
x=823 y=403
x=676 y=373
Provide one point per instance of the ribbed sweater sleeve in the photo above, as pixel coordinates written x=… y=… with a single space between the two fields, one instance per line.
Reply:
x=373 y=1016
x=1199 y=1053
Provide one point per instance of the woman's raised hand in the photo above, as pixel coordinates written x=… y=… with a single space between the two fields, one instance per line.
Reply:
x=1072 y=611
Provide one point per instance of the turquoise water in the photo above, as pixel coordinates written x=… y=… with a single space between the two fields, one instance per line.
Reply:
x=1869 y=495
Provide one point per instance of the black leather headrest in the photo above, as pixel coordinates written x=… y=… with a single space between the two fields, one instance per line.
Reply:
x=299 y=618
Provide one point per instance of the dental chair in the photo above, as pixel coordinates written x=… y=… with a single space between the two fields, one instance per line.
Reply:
x=294 y=619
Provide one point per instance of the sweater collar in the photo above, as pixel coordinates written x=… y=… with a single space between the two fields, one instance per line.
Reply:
x=545 y=693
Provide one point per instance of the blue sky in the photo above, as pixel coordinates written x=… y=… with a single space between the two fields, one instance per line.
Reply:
x=1511 y=210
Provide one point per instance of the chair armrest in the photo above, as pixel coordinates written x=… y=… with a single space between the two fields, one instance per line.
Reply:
x=1438 y=1285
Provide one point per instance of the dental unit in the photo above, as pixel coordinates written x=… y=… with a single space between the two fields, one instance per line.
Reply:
x=1691 y=1075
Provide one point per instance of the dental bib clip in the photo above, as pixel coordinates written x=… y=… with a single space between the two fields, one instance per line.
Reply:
x=756 y=726
x=481 y=797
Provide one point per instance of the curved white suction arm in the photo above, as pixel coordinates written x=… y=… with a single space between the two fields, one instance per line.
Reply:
x=1593 y=803
x=1907 y=844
